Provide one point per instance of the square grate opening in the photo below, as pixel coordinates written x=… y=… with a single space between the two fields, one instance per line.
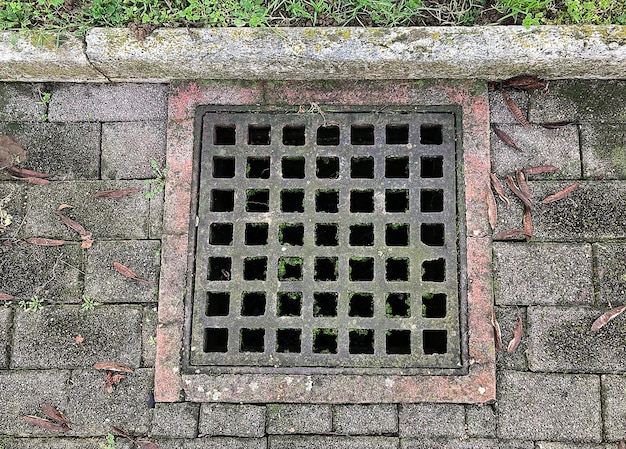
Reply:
x=327 y=243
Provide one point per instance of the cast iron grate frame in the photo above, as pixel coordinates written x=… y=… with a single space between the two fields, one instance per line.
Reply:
x=333 y=149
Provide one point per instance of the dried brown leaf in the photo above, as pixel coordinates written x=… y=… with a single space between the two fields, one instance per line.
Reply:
x=560 y=194
x=112 y=366
x=526 y=82
x=108 y=382
x=499 y=188
x=45 y=242
x=64 y=206
x=606 y=317
x=125 y=271
x=517 y=336
x=556 y=125
x=515 y=110
x=86 y=243
x=32 y=180
x=121 y=432
x=540 y=169
x=496 y=331
x=45 y=424
x=73 y=225
x=528 y=224
x=509 y=233
x=492 y=209
x=114 y=193
x=523 y=185
x=24 y=173
x=518 y=193
x=5 y=297
x=11 y=152
x=504 y=137
x=51 y=412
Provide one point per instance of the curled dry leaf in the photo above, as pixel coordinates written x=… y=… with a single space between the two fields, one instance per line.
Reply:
x=526 y=82
x=560 y=194
x=51 y=412
x=523 y=185
x=114 y=193
x=121 y=432
x=86 y=243
x=45 y=424
x=528 y=224
x=73 y=225
x=64 y=206
x=24 y=173
x=11 y=152
x=496 y=331
x=515 y=110
x=112 y=366
x=504 y=137
x=606 y=317
x=540 y=169
x=112 y=380
x=517 y=336
x=492 y=209
x=499 y=188
x=510 y=233
x=518 y=193
x=32 y=180
x=125 y=271
x=45 y=242
x=5 y=297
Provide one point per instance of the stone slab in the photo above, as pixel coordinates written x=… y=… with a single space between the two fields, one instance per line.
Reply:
x=561 y=407
x=232 y=420
x=175 y=420
x=560 y=339
x=365 y=419
x=61 y=443
x=105 y=284
x=65 y=150
x=148 y=336
x=542 y=273
x=611 y=272
x=614 y=413
x=603 y=147
x=45 y=339
x=118 y=102
x=13 y=203
x=331 y=442
x=128 y=148
x=5 y=322
x=299 y=419
x=507 y=319
x=481 y=421
x=561 y=445
x=20 y=102
x=213 y=443
x=477 y=443
x=432 y=420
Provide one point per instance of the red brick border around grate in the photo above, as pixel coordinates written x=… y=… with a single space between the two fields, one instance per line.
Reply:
x=170 y=382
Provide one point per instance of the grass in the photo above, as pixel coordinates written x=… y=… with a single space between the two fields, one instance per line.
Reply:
x=34 y=304
x=144 y=15
x=109 y=443
x=88 y=304
x=158 y=182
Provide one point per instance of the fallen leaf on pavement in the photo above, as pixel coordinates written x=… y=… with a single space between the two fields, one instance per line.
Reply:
x=114 y=193
x=504 y=137
x=517 y=336
x=64 y=206
x=45 y=424
x=24 y=173
x=496 y=331
x=518 y=193
x=5 y=297
x=45 y=242
x=515 y=110
x=606 y=317
x=32 y=180
x=523 y=185
x=52 y=412
x=560 y=194
x=73 y=225
x=112 y=366
x=125 y=271
x=492 y=209
x=528 y=224
x=499 y=188
x=112 y=380
x=526 y=82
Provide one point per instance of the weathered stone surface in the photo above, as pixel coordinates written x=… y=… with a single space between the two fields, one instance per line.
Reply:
x=562 y=407
x=232 y=420
x=175 y=420
x=128 y=148
x=51 y=273
x=95 y=410
x=614 y=414
x=604 y=150
x=119 y=218
x=542 y=273
x=19 y=102
x=540 y=146
x=46 y=339
x=214 y=443
x=560 y=445
x=62 y=443
x=478 y=443
x=65 y=150
x=148 y=336
x=105 y=284
x=13 y=203
x=481 y=421
x=432 y=420
x=5 y=322
x=507 y=318
x=579 y=101
x=498 y=110
x=23 y=391
x=331 y=442
x=108 y=103
x=299 y=418
x=366 y=419
x=560 y=339
x=611 y=272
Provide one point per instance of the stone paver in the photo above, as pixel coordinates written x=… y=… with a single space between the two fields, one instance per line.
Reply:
x=541 y=273
x=148 y=336
x=481 y=421
x=13 y=202
x=507 y=319
x=215 y=443
x=299 y=418
x=561 y=340
x=561 y=407
x=603 y=148
x=560 y=445
x=432 y=420
x=21 y=102
x=366 y=419
x=479 y=443
x=109 y=333
x=175 y=420
x=332 y=442
x=232 y=420
x=614 y=412
x=611 y=272
x=62 y=443
x=5 y=322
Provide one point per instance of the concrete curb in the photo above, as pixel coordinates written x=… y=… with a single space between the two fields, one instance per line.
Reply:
x=168 y=54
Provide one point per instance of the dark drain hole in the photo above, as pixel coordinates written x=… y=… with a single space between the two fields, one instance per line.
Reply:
x=397 y=269
x=327 y=201
x=289 y=269
x=327 y=167
x=257 y=200
x=397 y=234
x=220 y=268
x=221 y=234
x=258 y=167
x=432 y=167
x=289 y=304
x=362 y=235
x=434 y=305
x=288 y=340
x=325 y=341
x=434 y=270
x=396 y=200
x=361 y=269
x=292 y=200
x=324 y=304
x=361 y=341
x=326 y=269
x=362 y=167
x=215 y=340
x=291 y=234
x=328 y=135
x=326 y=234
x=252 y=340
x=361 y=305
x=256 y=233
x=255 y=268
x=398 y=342
x=362 y=201
x=222 y=200
x=253 y=303
x=223 y=167
x=397 y=134
x=431 y=135
x=224 y=135
x=362 y=134
x=432 y=234
x=398 y=305
x=431 y=200
x=435 y=341
x=293 y=167
x=217 y=304
x=259 y=134
x=293 y=135
x=396 y=167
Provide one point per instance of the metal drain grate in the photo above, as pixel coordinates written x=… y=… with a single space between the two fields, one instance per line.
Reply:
x=327 y=242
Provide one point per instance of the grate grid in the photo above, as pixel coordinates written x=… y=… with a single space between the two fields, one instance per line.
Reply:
x=327 y=242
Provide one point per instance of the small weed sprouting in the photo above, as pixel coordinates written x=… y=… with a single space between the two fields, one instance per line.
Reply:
x=88 y=304
x=152 y=340
x=158 y=182
x=109 y=443
x=44 y=99
x=34 y=304
x=15 y=158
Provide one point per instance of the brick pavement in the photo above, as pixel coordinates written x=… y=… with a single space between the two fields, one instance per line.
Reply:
x=563 y=388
